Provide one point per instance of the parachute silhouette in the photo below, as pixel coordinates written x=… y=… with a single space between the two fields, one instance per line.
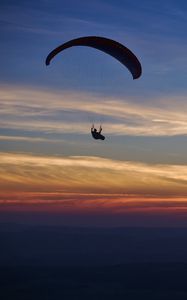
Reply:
x=111 y=47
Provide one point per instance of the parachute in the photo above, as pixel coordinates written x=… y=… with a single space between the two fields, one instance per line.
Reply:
x=111 y=47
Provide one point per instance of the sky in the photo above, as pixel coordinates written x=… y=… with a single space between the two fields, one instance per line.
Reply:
x=49 y=162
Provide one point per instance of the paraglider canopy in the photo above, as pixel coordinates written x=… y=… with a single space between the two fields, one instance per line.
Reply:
x=111 y=47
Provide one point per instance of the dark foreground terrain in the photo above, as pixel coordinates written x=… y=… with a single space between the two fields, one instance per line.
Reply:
x=44 y=262
x=130 y=281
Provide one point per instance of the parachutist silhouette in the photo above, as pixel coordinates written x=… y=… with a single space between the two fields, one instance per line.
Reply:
x=113 y=48
x=97 y=134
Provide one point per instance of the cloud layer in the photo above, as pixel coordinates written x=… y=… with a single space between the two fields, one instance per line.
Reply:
x=93 y=186
x=45 y=111
x=82 y=174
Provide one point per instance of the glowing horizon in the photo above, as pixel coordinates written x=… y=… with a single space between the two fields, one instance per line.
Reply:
x=90 y=185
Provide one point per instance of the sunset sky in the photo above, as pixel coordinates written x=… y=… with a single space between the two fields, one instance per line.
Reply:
x=48 y=159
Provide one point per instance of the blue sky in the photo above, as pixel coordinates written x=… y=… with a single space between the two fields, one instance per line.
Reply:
x=155 y=31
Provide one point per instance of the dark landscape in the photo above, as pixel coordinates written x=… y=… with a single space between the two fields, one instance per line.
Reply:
x=41 y=262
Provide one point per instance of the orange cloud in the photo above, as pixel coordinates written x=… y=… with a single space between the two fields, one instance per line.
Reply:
x=83 y=174
x=91 y=186
x=92 y=204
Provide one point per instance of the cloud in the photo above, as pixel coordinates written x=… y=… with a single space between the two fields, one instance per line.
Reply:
x=83 y=174
x=45 y=20
x=92 y=203
x=45 y=111
x=91 y=186
x=28 y=139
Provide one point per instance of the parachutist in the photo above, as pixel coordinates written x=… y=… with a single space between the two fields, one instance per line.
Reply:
x=113 y=48
x=97 y=134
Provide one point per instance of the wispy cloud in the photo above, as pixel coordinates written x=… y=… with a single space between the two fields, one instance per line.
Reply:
x=45 y=21
x=92 y=203
x=82 y=174
x=28 y=139
x=29 y=109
